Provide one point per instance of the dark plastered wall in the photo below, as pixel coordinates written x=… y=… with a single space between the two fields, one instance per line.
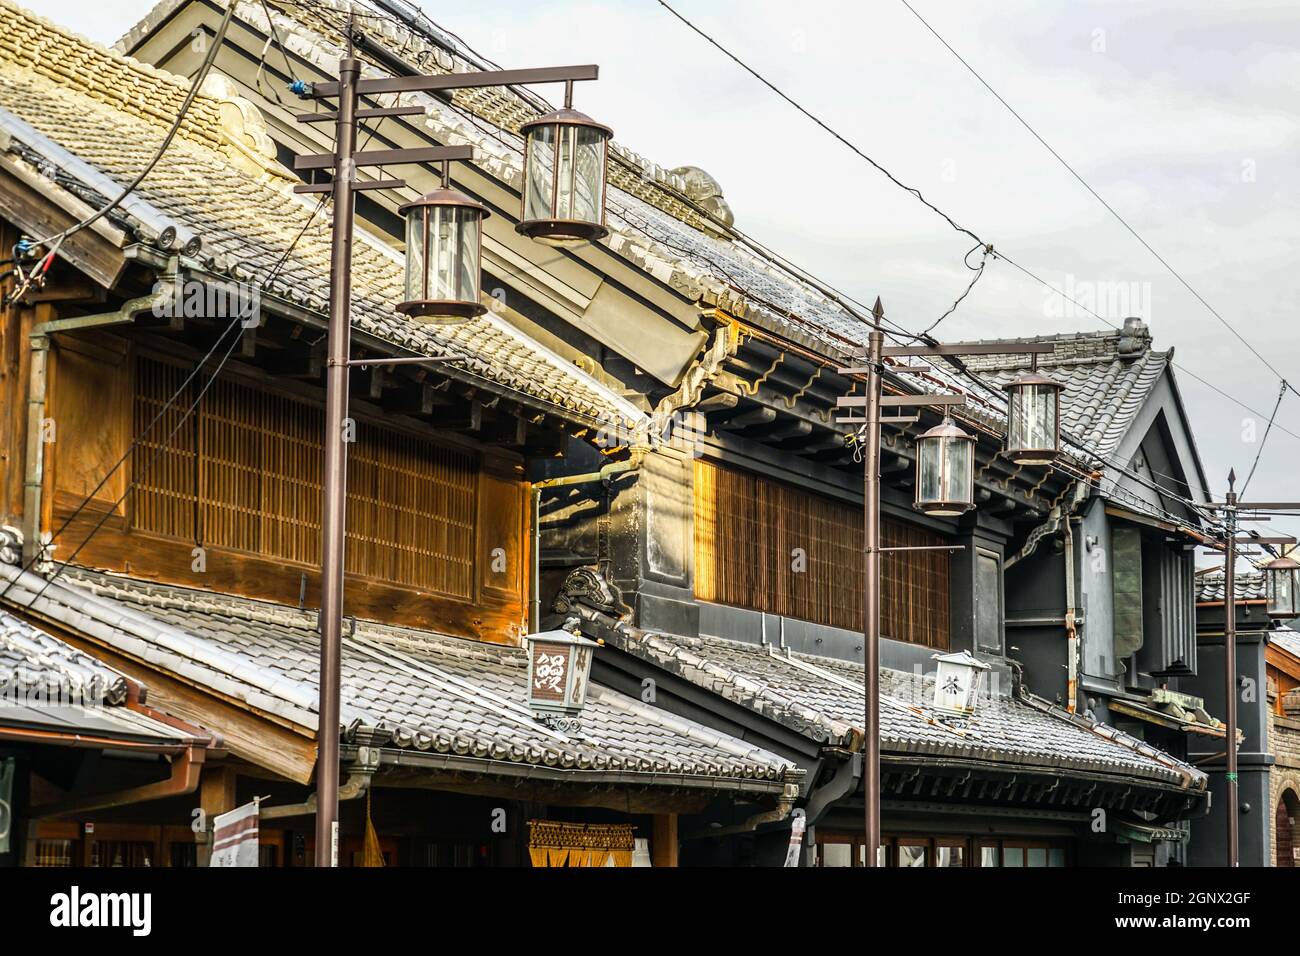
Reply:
x=1208 y=846
x=1035 y=592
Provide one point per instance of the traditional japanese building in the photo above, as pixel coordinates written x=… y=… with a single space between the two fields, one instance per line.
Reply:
x=1268 y=714
x=640 y=434
x=162 y=485
x=71 y=724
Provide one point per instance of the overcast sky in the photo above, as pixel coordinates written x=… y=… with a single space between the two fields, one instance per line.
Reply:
x=1181 y=113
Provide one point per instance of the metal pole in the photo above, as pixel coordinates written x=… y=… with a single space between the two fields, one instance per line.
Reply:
x=335 y=492
x=871 y=601
x=1230 y=669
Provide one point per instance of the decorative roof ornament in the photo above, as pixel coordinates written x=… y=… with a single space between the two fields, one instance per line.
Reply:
x=1134 y=339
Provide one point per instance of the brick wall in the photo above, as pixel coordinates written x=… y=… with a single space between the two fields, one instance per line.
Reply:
x=1284 y=743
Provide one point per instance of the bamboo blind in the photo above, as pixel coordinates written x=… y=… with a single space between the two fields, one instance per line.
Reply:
x=747 y=530
x=245 y=474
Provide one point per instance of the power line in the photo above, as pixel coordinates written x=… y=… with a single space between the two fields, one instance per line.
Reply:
x=1281 y=393
x=1109 y=208
x=126 y=454
x=779 y=92
x=1100 y=318
x=916 y=193
x=979 y=271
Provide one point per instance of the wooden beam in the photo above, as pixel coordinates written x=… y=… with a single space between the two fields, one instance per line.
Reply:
x=751 y=419
x=216 y=796
x=469 y=420
x=664 y=840
x=41 y=208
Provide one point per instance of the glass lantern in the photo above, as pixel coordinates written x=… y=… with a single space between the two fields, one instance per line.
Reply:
x=1033 y=419
x=566 y=163
x=1282 y=588
x=945 y=470
x=444 y=241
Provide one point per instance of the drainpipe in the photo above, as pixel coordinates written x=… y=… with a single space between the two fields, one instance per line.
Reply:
x=34 y=463
x=1071 y=630
x=535 y=581
x=184 y=780
x=784 y=805
x=355 y=786
x=39 y=338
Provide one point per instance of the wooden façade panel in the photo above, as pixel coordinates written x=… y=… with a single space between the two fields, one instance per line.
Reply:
x=241 y=477
x=771 y=547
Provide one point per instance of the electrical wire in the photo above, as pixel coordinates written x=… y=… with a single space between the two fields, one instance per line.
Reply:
x=1281 y=394
x=184 y=386
x=817 y=120
x=85 y=501
x=999 y=254
x=1100 y=318
x=1109 y=208
x=978 y=270
x=797 y=273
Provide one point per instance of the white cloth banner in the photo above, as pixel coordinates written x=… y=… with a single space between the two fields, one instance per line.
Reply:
x=798 y=823
x=234 y=837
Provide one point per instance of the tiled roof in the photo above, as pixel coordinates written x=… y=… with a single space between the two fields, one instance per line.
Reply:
x=67 y=97
x=1107 y=377
x=423 y=691
x=822 y=699
x=47 y=684
x=1249 y=586
x=657 y=233
x=652 y=225
x=1286 y=639
x=31 y=660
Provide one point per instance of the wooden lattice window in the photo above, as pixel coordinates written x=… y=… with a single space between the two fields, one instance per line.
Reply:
x=772 y=547
x=244 y=473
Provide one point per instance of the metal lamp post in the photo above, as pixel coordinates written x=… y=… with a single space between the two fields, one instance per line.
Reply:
x=1232 y=509
x=950 y=452
x=442 y=284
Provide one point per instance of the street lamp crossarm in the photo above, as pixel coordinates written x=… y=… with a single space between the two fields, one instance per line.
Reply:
x=389 y=157
x=329 y=116
x=921 y=401
x=900 y=401
x=356 y=187
x=1008 y=347
x=1286 y=539
x=406 y=360
x=461 y=81
x=883 y=420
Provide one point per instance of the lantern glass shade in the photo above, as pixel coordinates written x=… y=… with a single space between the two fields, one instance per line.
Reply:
x=566 y=160
x=444 y=241
x=945 y=470
x=1033 y=420
x=1282 y=588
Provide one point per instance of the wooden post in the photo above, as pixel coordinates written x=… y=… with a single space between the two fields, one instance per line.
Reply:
x=663 y=840
x=216 y=796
